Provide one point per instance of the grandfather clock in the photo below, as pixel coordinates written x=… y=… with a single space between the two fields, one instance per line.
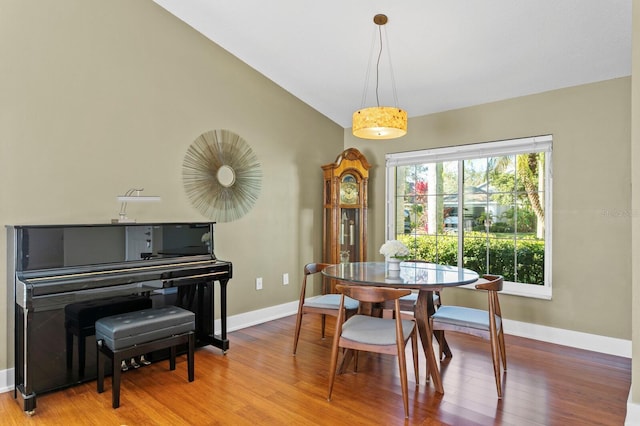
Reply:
x=345 y=208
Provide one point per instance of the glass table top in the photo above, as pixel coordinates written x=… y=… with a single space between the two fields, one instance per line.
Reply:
x=411 y=275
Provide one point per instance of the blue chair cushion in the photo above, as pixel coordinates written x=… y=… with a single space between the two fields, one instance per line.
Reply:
x=374 y=330
x=465 y=317
x=331 y=301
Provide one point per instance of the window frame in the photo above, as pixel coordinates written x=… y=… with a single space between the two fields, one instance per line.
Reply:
x=460 y=153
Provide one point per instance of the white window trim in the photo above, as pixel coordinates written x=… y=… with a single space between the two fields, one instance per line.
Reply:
x=462 y=152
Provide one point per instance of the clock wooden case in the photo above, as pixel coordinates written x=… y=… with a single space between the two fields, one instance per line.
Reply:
x=345 y=208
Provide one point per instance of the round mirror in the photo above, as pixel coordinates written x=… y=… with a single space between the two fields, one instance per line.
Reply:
x=226 y=176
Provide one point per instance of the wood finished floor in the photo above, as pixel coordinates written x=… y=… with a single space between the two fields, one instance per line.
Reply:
x=259 y=382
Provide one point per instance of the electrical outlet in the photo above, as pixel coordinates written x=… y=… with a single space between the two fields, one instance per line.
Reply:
x=285 y=278
x=259 y=283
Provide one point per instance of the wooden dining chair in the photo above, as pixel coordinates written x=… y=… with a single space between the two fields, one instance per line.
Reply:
x=478 y=322
x=325 y=304
x=374 y=334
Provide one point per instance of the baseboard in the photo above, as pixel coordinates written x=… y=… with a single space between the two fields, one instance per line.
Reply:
x=6 y=380
x=633 y=413
x=576 y=339
x=248 y=319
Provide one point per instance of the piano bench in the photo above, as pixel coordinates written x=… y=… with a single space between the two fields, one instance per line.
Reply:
x=121 y=337
x=80 y=320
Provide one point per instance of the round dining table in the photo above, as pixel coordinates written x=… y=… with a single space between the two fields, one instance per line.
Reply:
x=422 y=276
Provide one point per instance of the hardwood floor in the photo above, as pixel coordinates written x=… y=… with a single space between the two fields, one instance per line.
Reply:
x=259 y=382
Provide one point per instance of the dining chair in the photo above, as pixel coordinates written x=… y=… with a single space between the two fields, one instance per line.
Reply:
x=325 y=304
x=374 y=334
x=478 y=322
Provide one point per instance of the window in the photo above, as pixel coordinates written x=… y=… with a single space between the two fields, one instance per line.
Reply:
x=485 y=207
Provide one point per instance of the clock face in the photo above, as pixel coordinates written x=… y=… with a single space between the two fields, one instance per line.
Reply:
x=349 y=190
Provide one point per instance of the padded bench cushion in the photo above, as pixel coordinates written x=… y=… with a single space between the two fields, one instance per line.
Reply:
x=86 y=313
x=133 y=328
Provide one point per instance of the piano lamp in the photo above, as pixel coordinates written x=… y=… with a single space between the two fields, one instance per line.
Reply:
x=380 y=122
x=131 y=196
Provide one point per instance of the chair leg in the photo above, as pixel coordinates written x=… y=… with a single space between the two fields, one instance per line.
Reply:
x=414 y=349
x=333 y=365
x=503 y=349
x=296 y=335
x=495 y=355
x=402 y=365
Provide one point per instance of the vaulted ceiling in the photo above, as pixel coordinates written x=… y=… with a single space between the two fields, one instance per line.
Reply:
x=444 y=54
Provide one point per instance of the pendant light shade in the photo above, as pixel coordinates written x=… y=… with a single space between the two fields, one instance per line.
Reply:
x=379 y=122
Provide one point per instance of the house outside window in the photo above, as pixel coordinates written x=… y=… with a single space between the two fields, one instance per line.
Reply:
x=485 y=207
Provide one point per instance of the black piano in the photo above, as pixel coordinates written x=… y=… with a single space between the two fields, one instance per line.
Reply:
x=53 y=267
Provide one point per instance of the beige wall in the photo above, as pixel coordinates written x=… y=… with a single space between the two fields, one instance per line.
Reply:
x=590 y=125
x=101 y=96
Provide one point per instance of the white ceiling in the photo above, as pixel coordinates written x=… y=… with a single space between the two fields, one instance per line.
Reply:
x=445 y=54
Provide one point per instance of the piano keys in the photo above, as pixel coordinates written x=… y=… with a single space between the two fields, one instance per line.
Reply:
x=53 y=266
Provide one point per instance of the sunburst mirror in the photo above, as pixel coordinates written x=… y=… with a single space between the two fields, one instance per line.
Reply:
x=221 y=175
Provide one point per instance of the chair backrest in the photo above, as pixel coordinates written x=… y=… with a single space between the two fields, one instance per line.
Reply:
x=494 y=283
x=372 y=294
x=492 y=286
x=310 y=269
x=314 y=268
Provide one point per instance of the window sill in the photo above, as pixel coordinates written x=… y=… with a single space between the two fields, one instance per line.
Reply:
x=519 y=289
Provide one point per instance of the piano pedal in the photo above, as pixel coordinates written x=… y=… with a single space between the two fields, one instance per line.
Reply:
x=124 y=366
x=134 y=364
x=143 y=360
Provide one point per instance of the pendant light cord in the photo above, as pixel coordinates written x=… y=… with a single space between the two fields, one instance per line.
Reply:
x=363 y=101
x=393 y=78
x=378 y=65
x=379 y=58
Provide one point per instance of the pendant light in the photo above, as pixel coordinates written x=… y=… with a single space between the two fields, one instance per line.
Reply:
x=380 y=122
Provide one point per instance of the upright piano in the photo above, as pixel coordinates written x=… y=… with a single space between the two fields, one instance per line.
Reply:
x=53 y=266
